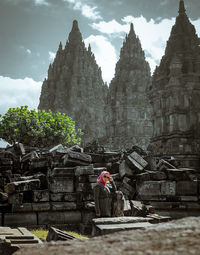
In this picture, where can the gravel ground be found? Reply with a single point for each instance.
(176, 237)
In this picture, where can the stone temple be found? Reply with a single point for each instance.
(74, 86)
(136, 108)
(118, 116)
(175, 94)
(130, 112)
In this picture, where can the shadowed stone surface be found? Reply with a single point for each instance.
(176, 237)
(74, 86)
(119, 115)
(175, 93)
(129, 121)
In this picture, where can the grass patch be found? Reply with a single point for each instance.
(79, 236)
(42, 234)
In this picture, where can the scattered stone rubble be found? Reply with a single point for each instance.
(42, 186)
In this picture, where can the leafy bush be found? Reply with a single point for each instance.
(38, 128)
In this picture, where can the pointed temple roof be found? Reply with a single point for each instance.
(181, 7)
(75, 36)
(131, 32)
(183, 42)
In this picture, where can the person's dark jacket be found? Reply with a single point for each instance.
(103, 198)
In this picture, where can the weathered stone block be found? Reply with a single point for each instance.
(62, 172)
(39, 163)
(63, 206)
(125, 170)
(134, 164)
(129, 188)
(25, 207)
(163, 165)
(59, 184)
(111, 156)
(76, 158)
(22, 186)
(180, 174)
(29, 156)
(125, 191)
(156, 189)
(1, 223)
(168, 188)
(139, 159)
(32, 207)
(41, 177)
(16, 198)
(149, 188)
(96, 158)
(67, 217)
(41, 207)
(40, 195)
(57, 147)
(188, 198)
(98, 170)
(157, 175)
(20, 219)
(143, 177)
(82, 178)
(83, 187)
(58, 197)
(187, 188)
(84, 170)
(55, 234)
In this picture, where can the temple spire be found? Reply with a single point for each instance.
(75, 25)
(181, 7)
(75, 36)
(131, 28)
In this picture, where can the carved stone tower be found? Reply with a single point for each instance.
(175, 94)
(74, 86)
(129, 120)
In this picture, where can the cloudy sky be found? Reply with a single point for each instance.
(30, 32)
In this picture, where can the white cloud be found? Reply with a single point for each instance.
(196, 23)
(52, 55)
(41, 2)
(153, 36)
(111, 27)
(18, 92)
(28, 51)
(105, 55)
(86, 10)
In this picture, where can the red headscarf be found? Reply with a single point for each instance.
(100, 178)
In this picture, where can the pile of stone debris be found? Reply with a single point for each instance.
(44, 186)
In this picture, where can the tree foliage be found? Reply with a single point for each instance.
(38, 128)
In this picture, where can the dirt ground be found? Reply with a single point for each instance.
(176, 237)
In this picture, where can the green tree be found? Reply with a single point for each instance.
(38, 128)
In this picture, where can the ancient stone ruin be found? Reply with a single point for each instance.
(130, 111)
(174, 96)
(119, 115)
(54, 186)
(74, 86)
